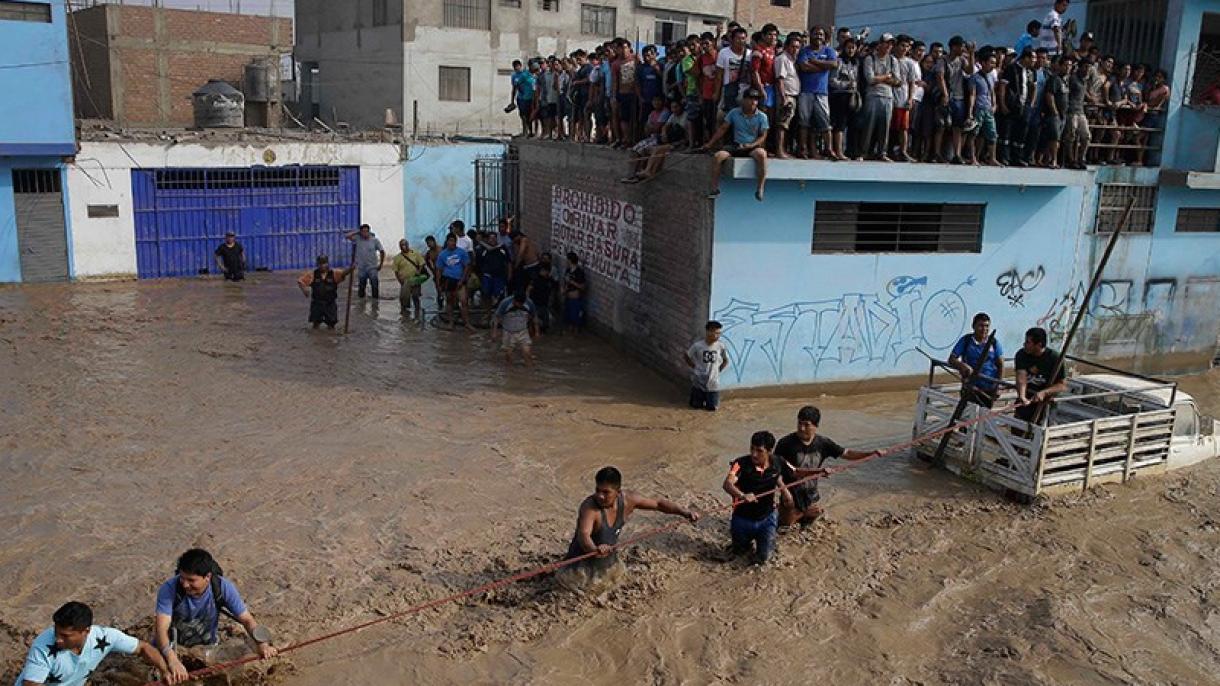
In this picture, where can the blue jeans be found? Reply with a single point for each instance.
(368, 275)
(704, 400)
(494, 289)
(755, 533)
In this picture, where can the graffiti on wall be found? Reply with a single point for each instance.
(1015, 285)
(852, 329)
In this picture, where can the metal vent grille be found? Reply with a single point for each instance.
(872, 227)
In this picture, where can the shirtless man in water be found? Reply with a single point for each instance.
(601, 518)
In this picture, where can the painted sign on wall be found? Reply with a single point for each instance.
(606, 233)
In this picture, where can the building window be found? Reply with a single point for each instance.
(669, 28)
(468, 14)
(515, 4)
(454, 84)
(102, 211)
(596, 20)
(1203, 219)
(25, 11)
(36, 181)
(1113, 200)
(1205, 64)
(1132, 29)
(548, 5)
(873, 227)
(781, 3)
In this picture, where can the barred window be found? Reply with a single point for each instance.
(25, 11)
(596, 20)
(1201, 219)
(454, 84)
(515, 4)
(1113, 201)
(875, 227)
(548, 5)
(468, 14)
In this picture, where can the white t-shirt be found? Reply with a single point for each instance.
(707, 358)
(908, 72)
(731, 63)
(1046, 38)
(786, 75)
(918, 77)
(465, 243)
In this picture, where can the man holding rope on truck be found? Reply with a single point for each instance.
(968, 356)
(1035, 364)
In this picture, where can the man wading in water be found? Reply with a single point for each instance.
(321, 286)
(600, 519)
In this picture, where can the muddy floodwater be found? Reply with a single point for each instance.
(342, 478)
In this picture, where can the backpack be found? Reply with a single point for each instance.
(217, 597)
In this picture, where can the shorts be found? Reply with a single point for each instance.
(957, 113)
(1052, 128)
(449, 285)
(574, 312)
(525, 107)
(704, 400)
(739, 150)
(841, 112)
(626, 106)
(768, 96)
(494, 287)
(1126, 117)
(814, 111)
(512, 340)
(901, 121)
(979, 396)
(805, 495)
(646, 144)
(1152, 120)
(324, 312)
(579, 103)
(548, 111)
(1077, 129)
(785, 115)
(986, 121)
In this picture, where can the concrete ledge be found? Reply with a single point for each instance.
(820, 170)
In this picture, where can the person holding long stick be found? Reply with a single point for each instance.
(1040, 375)
(977, 364)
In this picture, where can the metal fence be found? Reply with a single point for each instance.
(497, 189)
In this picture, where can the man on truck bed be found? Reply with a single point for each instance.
(1035, 364)
(967, 356)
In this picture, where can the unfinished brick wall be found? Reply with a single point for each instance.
(657, 324)
(754, 14)
(155, 58)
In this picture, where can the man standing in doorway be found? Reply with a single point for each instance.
(231, 258)
(706, 358)
(1035, 364)
(370, 256)
(410, 270)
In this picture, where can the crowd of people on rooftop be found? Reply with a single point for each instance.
(837, 95)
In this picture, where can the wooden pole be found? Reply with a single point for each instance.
(351, 277)
(1084, 305)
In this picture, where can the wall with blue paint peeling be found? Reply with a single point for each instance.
(792, 317)
(438, 182)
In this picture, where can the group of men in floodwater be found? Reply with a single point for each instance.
(773, 487)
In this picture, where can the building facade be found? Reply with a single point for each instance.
(788, 15)
(443, 66)
(138, 65)
(37, 135)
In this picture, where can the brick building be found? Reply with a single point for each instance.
(139, 65)
(788, 15)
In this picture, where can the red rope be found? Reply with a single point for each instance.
(553, 566)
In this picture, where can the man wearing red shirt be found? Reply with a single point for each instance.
(762, 66)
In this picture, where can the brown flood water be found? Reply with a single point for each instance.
(338, 478)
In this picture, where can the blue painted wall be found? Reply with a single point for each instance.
(1191, 134)
(35, 78)
(10, 259)
(986, 22)
(794, 317)
(438, 182)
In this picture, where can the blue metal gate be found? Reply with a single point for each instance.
(283, 216)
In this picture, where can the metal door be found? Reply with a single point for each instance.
(497, 190)
(42, 237)
(284, 217)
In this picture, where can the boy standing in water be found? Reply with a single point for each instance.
(706, 358)
(321, 286)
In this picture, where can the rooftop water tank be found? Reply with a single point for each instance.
(218, 106)
(262, 81)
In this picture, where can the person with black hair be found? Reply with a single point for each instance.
(801, 455)
(707, 358)
(575, 288)
(189, 606)
(601, 518)
(967, 356)
(752, 481)
(68, 652)
(1035, 363)
(321, 286)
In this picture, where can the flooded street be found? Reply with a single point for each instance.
(339, 478)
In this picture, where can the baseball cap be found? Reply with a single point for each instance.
(887, 38)
(1089, 37)
(753, 93)
(230, 233)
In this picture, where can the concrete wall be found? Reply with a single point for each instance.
(793, 317)
(156, 57)
(36, 106)
(1191, 133)
(657, 323)
(102, 176)
(438, 186)
(986, 22)
(752, 14)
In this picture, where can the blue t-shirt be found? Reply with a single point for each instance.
(46, 664)
(203, 607)
(650, 82)
(453, 263)
(524, 81)
(969, 351)
(815, 81)
(747, 129)
(982, 91)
